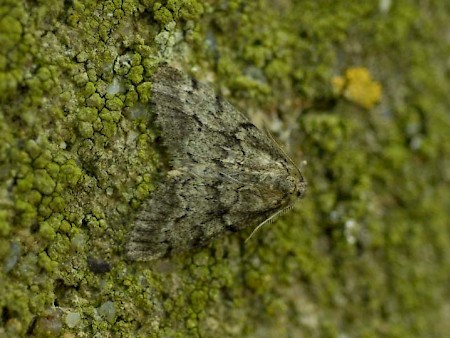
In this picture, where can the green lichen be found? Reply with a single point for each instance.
(162, 14)
(144, 90)
(70, 173)
(78, 157)
(109, 129)
(136, 74)
(87, 114)
(46, 231)
(95, 101)
(111, 115)
(5, 226)
(114, 104)
(86, 130)
(46, 263)
(43, 182)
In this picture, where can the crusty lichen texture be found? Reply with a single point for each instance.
(357, 89)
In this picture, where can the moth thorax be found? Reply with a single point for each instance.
(284, 184)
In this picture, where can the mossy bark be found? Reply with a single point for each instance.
(357, 89)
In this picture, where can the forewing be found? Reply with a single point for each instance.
(187, 211)
(199, 127)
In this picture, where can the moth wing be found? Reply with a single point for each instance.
(199, 127)
(219, 180)
(191, 208)
(181, 214)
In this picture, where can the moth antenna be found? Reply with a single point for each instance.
(283, 152)
(231, 178)
(270, 219)
(290, 206)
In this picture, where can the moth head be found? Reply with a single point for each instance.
(280, 188)
(286, 189)
(296, 186)
(296, 180)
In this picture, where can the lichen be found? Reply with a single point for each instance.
(358, 87)
(365, 253)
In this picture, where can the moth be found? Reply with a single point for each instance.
(225, 174)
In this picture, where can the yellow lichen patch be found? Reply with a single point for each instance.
(358, 87)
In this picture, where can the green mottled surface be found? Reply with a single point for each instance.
(365, 254)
